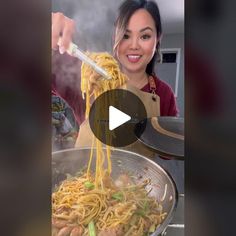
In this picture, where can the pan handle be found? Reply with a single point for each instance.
(174, 225)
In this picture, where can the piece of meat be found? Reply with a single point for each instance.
(123, 181)
(107, 182)
(76, 231)
(58, 223)
(65, 231)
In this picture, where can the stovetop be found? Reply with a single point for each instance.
(176, 227)
(176, 169)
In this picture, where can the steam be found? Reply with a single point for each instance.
(94, 28)
(94, 22)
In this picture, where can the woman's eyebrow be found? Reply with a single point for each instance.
(146, 28)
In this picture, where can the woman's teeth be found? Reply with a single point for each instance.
(133, 58)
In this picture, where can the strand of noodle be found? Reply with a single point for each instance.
(109, 166)
(91, 157)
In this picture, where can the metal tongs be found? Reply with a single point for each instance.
(74, 51)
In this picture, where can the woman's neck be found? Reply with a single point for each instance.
(138, 80)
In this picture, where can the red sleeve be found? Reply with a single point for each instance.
(168, 105)
(173, 111)
(66, 83)
(72, 96)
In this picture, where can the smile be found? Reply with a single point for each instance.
(133, 58)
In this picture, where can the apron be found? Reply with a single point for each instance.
(151, 102)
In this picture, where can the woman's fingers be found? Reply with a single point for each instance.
(63, 27)
(68, 31)
(57, 26)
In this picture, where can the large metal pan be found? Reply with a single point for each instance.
(71, 161)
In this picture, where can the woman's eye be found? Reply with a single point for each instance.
(126, 36)
(146, 36)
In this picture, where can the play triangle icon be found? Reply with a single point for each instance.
(117, 118)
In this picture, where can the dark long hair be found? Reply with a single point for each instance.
(126, 10)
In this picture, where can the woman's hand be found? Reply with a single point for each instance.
(63, 27)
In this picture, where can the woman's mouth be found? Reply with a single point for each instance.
(133, 58)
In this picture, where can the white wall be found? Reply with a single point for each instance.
(177, 41)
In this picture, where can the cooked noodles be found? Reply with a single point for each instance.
(111, 66)
(93, 201)
(127, 209)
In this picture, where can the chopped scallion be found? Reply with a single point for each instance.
(118, 196)
(89, 185)
(92, 231)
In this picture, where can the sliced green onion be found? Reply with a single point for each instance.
(118, 196)
(92, 231)
(146, 205)
(89, 185)
(140, 212)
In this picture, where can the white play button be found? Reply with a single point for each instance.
(117, 118)
(111, 114)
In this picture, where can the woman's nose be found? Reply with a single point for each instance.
(134, 44)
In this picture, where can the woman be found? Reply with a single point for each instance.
(137, 37)
(138, 32)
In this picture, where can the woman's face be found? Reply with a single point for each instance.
(138, 45)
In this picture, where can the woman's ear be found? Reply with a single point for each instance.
(158, 42)
(159, 38)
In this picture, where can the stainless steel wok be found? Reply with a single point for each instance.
(71, 161)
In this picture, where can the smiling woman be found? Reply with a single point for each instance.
(138, 31)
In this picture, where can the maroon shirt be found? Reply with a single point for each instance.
(72, 95)
(167, 99)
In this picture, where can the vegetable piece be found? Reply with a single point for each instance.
(140, 212)
(118, 196)
(91, 226)
(145, 210)
(146, 206)
(152, 228)
(89, 185)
